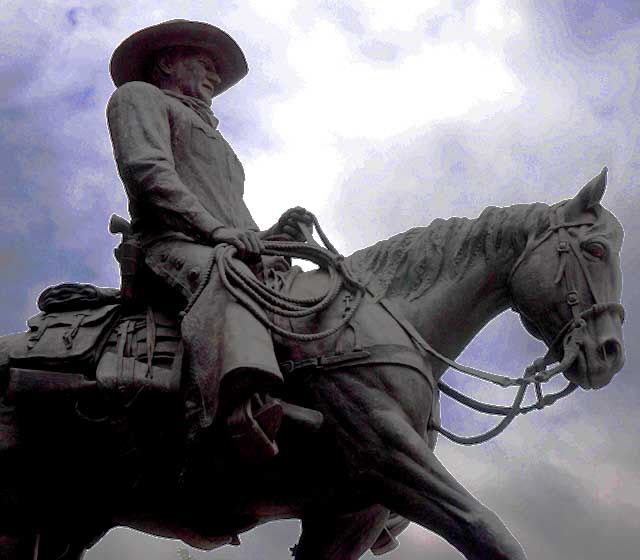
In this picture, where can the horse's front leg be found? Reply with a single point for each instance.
(417, 486)
(327, 536)
(378, 419)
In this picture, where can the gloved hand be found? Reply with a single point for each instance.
(275, 262)
(247, 242)
(287, 226)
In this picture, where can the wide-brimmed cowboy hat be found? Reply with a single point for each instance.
(132, 59)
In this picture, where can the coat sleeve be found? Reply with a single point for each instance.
(141, 136)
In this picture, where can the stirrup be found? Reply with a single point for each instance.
(386, 540)
(253, 434)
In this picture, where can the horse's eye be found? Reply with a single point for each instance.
(596, 250)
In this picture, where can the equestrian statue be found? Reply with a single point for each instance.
(221, 388)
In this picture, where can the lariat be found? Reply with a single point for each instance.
(257, 297)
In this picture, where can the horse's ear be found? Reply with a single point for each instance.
(589, 195)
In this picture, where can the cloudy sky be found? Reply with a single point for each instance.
(378, 116)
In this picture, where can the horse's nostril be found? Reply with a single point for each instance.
(610, 351)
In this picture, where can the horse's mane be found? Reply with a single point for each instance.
(410, 263)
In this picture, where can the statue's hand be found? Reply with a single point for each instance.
(275, 262)
(287, 227)
(247, 242)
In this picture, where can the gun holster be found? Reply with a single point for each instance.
(129, 256)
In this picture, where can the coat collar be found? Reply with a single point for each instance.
(200, 107)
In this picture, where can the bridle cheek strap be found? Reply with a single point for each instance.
(571, 334)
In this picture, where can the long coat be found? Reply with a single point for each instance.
(183, 181)
(180, 174)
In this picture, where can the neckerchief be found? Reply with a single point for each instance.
(200, 107)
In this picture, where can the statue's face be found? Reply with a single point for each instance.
(194, 74)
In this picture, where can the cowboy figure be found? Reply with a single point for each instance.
(185, 186)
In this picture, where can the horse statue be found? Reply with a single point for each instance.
(71, 468)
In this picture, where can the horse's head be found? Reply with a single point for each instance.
(566, 285)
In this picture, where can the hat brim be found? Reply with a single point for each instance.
(132, 58)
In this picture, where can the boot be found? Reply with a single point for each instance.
(253, 425)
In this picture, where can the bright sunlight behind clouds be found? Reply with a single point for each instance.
(340, 93)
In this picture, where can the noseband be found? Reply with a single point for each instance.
(571, 336)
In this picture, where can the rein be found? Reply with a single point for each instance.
(509, 413)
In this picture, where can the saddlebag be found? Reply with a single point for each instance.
(143, 353)
(67, 341)
(75, 352)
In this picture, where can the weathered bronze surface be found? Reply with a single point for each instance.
(191, 447)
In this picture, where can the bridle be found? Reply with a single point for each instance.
(566, 245)
(571, 335)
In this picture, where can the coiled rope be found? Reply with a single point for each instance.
(257, 297)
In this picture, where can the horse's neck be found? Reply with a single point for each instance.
(457, 305)
(451, 314)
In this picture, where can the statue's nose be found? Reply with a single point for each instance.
(611, 353)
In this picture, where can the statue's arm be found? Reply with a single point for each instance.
(140, 132)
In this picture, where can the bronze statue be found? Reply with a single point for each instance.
(99, 385)
(185, 186)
